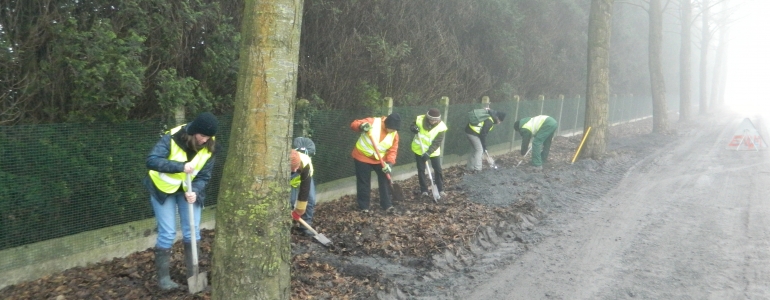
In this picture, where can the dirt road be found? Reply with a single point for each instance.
(688, 221)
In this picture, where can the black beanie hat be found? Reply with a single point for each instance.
(500, 116)
(393, 121)
(205, 124)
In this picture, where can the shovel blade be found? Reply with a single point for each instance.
(322, 239)
(197, 283)
(397, 193)
(436, 194)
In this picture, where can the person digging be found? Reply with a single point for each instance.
(429, 132)
(477, 131)
(302, 188)
(540, 130)
(366, 157)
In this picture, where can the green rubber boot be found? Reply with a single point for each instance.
(162, 259)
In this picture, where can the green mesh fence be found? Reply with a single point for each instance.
(63, 179)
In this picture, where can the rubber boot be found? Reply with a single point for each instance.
(188, 259)
(162, 260)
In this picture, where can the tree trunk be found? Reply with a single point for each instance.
(598, 89)
(252, 253)
(704, 53)
(657, 82)
(719, 75)
(685, 67)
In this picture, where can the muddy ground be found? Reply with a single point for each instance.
(422, 251)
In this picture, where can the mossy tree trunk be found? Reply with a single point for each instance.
(598, 90)
(251, 251)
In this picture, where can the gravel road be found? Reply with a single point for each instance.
(688, 220)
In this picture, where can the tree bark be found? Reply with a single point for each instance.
(598, 89)
(704, 53)
(657, 82)
(252, 251)
(685, 66)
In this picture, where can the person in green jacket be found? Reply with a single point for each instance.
(540, 130)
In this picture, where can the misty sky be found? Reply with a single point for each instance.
(748, 83)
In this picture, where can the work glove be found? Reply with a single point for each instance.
(414, 129)
(299, 209)
(386, 168)
(425, 156)
(365, 127)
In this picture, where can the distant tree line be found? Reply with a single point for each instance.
(99, 60)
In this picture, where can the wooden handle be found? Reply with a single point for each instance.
(307, 226)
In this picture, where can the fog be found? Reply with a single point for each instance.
(748, 63)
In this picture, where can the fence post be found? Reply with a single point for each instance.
(515, 118)
(614, 96)
(485, 101)
(389, 104)
(179, 117)
(444, 106)
(561, 109)
(577, 114)
(542, 103)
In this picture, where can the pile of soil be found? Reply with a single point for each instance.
(395, 255)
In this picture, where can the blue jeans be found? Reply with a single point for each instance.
(165, 215)
(310, 209)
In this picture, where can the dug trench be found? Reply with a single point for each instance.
(423, 250)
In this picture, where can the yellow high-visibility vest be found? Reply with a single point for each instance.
(426, 137)
(170, 182)
(534, 123)
(304, 161)
(365, 145)
(477, 128)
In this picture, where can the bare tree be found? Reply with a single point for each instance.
(685, 66)
(252, 252)
(704, 53)
(598, 86)
(657, 82)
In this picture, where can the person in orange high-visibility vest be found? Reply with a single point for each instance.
(384, 131)
(185, 150)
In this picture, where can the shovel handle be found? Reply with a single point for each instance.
(191, 218)
(377, 155)
(307, 226)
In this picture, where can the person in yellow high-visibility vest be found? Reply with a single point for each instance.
(184, 150)
(540, 129)
(302, 197)
(429, 132)
(477, 135)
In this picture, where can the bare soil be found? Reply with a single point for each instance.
(487, 222)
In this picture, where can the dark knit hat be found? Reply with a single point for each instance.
(205, 124)
(434, 115)
(500, 116)
(393, 121)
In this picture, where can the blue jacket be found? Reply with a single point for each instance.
(158, 160)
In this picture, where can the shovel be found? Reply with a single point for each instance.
(317, 236)
(433, 187)
(198, 281)
(524, 157)
(395, 190)
(490, 160)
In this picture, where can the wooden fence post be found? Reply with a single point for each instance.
(444, 106)
(577, 114)
(515, 118)
(389, 104)
(561, 108)
(542, 103)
